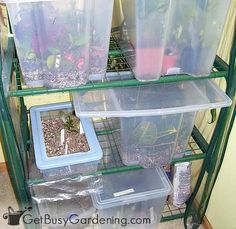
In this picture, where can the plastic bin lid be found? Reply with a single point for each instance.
(130, 187)
(148, 100)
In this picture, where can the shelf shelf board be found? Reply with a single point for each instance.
(119, 76)
(110, 84)
(107, 130)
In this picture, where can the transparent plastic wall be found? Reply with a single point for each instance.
(162, 37)
(59, 44)
(67, 198)
(194, 34)
(146, 23)
(155, 140)
(100, 37)
(52, 41)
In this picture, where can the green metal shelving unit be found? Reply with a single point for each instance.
(16, 139)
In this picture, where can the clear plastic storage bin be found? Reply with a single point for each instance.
(146, 23)
(53, 39)
(194, 34)
(134, 194)
(72, 209)
(62, 160)
(171, 37)
(156, 120)
(100, 37)
(154, 140)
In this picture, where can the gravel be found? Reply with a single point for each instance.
(75, 141)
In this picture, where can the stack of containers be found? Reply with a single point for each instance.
(59, 45)
(156, 122)
(171, 37)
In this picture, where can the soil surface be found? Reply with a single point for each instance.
(73, 141)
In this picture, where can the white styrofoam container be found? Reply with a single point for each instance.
(63, 165)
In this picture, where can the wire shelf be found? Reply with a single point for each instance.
(119, 74)
(171, 212)
(107, 130)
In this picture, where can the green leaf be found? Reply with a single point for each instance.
(145, 133)
(80, 41)
(213, 116)
(51, 61)
(54, 50)
(31, 56)
(71, 38)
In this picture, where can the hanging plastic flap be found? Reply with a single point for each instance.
(149, 100)
(68, 188)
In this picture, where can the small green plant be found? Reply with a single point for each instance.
(69, 124)
(69, 121)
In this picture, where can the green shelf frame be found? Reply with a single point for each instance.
(212, 154)
(112, 84)
(111, 162)
(126, 79)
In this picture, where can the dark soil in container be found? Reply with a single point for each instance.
(72, 142)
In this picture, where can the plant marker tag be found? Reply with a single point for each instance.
(62, 136)
(66, 149)
(58, 61)
(125, 192)
(81, 130)
(173, 71)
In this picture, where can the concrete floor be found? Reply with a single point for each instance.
(7, 199)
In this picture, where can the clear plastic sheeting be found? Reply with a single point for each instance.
(4, 45)
(66, 201)
(65, 189)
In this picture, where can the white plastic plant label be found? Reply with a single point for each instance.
(62, 136)
(173, 71)
(122, 193)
